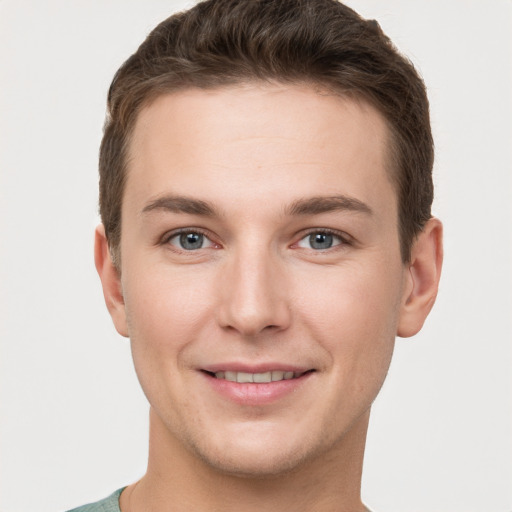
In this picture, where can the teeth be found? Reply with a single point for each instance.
(229, 376)
(277, 375)
(262, 377)
(242, 377)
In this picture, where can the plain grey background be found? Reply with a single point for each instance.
(73, 420)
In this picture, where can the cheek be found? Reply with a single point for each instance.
(165, 311)
(354, 316)
(165, 315)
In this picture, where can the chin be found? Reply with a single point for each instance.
(255, 455)
(250, 465)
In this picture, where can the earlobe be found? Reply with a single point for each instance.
(110, 281)
(422, 279)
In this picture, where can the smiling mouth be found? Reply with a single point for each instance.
(257, 378)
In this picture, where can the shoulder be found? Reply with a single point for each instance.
(110, 504)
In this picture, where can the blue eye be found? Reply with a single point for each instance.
(190, 241)
(320, 240)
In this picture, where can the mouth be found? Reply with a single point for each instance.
(264, 385)
(257, 378)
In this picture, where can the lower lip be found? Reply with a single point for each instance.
(256, 394)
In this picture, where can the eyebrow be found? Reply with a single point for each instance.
(326, 204)
(181, 204)
(306, 206)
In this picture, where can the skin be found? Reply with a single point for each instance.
(268, 161)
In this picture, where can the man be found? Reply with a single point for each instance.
(265, 192)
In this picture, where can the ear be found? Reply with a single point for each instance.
(421, 279)
(110, 281)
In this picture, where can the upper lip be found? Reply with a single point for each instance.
(254, 368)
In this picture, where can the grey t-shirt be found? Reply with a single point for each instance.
(110, 504)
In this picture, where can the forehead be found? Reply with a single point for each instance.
(258, 139)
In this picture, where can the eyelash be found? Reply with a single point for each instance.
(185, 231)
(344, 239)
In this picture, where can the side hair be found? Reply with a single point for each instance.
(319, 42)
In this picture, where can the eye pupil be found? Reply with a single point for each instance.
(321, 240)
(191, 241)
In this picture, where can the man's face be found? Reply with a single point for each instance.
(260, 242)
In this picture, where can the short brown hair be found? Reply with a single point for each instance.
(321, 42)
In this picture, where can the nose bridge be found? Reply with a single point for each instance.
(253, 292)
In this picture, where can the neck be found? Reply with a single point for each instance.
(177, 480)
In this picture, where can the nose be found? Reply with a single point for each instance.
(253, 295)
